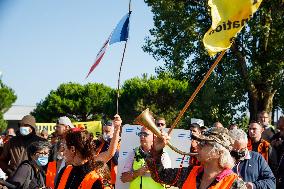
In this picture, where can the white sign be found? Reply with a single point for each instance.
(129, 140)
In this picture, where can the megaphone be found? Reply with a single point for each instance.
(145, 119)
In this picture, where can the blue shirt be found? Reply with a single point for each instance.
(253, 168)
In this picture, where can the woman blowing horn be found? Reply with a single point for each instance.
(85, 169)
(216, 163)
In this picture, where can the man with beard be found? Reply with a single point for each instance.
(15, 151)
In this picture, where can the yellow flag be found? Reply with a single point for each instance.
(228, 18)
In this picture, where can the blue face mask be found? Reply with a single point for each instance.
(24, 131)
(42, 161)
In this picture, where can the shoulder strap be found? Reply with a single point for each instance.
(89, 180)
(65, 177)
(50, 174)
(190, 182)
(30, 176)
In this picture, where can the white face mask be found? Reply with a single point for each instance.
(106, 137)
(24, 131)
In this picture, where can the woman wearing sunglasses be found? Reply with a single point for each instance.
(85, 169)
(30, 174)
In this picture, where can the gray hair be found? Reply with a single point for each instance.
(226, 161)
(238, 135)
(37, 146)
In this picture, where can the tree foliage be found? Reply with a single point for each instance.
(79, 102)
(249, 75)
(163, 96)
(7, 98)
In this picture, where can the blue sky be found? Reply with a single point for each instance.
(44, 43)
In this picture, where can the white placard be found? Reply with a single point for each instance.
(180, 138)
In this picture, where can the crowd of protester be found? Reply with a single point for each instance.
(71, 157)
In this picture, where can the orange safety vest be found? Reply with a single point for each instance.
(50, 174)
(87, 182)
(225, 183)
(113, 168)
(263, 148)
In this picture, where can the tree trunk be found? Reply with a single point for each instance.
(259, 99)
(262, 102)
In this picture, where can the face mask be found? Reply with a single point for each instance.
(106, 137)
(238, 155)
(24, 131)
(42, 161)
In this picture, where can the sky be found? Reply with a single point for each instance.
(44, 43)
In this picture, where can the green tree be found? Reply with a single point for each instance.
(79, 102)
(7, 98)
(249, 74)
(163, 96)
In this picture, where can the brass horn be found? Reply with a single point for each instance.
(145, 119)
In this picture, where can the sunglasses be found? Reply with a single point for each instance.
(144, 134)
(160, 124)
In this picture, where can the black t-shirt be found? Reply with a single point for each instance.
(76, 176)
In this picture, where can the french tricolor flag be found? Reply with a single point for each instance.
(120, 33)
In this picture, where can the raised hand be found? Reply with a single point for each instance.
(117, 122)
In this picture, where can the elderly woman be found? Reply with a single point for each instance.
(30, 174)
(216, 163)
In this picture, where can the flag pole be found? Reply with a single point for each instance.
(197, 90)
(120, 67)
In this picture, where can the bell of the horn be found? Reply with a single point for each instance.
(146, 119)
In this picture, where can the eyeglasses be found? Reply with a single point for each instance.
(144, 134)
(42, 154)
(160, 124)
